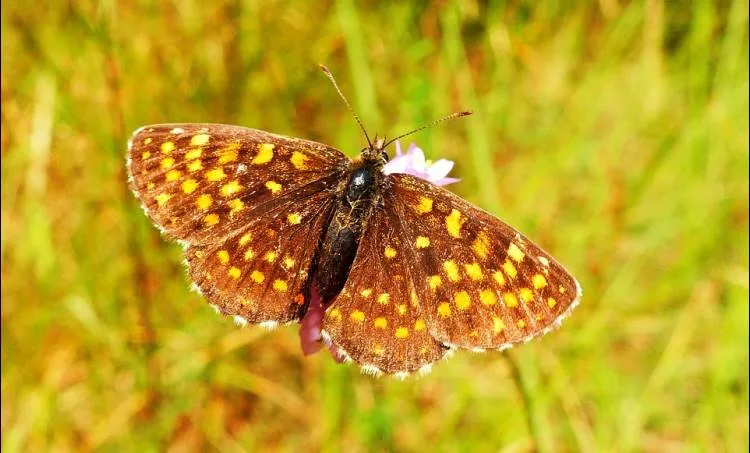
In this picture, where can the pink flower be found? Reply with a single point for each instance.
(310, 337)
(414, 163)
(411, 163)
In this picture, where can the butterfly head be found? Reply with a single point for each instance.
(375, 151)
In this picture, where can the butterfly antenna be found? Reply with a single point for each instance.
(328, 74)
(438, 121)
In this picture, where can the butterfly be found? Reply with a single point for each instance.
(406, 271)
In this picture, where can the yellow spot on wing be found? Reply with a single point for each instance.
(270, 256)
(474, 271)
(419, 325)
(236, 205)
(451, 270)
(145, 155)
(204, 201)
(551, 302)
(167, 162)
(526, 294)
(265, 154)
(215, 174)
(257, 276)
(234, 272)
(167, 147)
(481, 245)
(515, 252)
(380, 322)
(389, 252)
(462, 300)
(193, 154)
(433, 281)
(162, 198)
(294, 218)
(280, 285)
(211, 219)
(367, 292)
(249, 254)
(383, 298)
(173, 175)
(499, 278)
(230, 188)
(422, 242)
(453, 223)
(510, 300)
(245, 238)
(357, 316)
(510, 269)
(273, 186)
(229, 153)
(487, 297)
(195, 166)
(147, 141)
(189, 186)
(424, 206)
(521, 323)
(497, 324)
(200, 139)
(401, 309)
(334, 314)
(299, 160)
(444, 310)
(223, 256)
(402, 332)
(288, 262)
(538, 281)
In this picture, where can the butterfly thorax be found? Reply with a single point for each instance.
(357, 197)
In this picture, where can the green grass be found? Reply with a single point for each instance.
(615, 134)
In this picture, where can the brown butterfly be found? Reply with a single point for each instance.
(406, 271)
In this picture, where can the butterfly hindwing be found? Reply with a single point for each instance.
(200, 182)
(480, 283)
(376, 319)
(261, 273)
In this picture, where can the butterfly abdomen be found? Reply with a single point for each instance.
(354, 205)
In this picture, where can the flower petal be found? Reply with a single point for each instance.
(398, 149)
(309, 333)
(440, 169)
(417, 161)
(398, 164)
(413, 163)
(444, 181)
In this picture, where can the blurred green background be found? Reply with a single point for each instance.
(613, 133)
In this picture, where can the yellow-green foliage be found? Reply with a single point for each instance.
(613, 133)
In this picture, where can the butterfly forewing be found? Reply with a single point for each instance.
(249, 206)
(480, 283)
(377, 319)
(201, 182)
